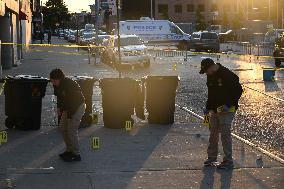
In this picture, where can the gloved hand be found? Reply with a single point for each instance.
(224, 108)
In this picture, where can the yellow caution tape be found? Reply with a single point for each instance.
(58, 45)
(128, 125)
(96, 143)
(3, 137)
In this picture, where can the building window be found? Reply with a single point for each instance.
(190, 8)
(178, 9)
(163, 8)
(201, 7)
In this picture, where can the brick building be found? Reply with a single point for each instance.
(15, 24)
(185, 10)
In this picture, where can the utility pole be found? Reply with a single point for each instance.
(152, 15)
(277, 18)
(282, 18)
(97, 7)
(269, 9)
(118, 35)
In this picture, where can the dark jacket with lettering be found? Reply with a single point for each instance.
(224, 88)
(69, 96)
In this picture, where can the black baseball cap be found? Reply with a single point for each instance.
(205, 64)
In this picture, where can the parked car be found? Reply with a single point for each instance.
(162, 32)
(66, 33)
(86, 38)
(229, 35)
(133, 52)
(279, 51)
(72, 36)
(204, 40)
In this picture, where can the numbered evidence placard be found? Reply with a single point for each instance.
(96, 143)
(206, 121)
(3, 137)
(128, 125)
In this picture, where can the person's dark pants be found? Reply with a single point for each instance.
(220, 122)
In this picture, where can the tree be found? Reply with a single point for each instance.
(200, 20)
(55, 11)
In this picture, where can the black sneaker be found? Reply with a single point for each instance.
(211, 162)
(72, 157)
(62, 155)
(226, 165)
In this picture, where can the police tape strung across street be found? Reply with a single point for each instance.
(158, 51)
(57, 45)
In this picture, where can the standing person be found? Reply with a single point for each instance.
(224, 92)
(49, 37)
(71, 102)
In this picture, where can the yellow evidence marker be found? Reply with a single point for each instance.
(175, 67)
(231, 109)
(96, 143)
(3, 137)
(128, 125)
(206, 121)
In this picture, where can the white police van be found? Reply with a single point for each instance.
(156, 31)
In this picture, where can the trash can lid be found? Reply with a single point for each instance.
(26, 78)
(76, 78)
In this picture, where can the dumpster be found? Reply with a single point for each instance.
(87, 84)
(160, 98)
(118, 101)
(23, 101)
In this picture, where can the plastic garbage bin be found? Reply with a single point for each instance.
(118, 100)
(160, 98)
(87, 84)
(23, 101)
(268, 74)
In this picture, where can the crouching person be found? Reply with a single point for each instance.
(71, 102)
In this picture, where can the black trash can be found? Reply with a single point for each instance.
(23, 101)
(118, 100)
(87, 84)
(160, 98)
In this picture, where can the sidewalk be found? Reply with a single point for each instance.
(150, 156)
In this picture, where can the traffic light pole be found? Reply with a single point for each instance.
(118, 36)
(96, 27)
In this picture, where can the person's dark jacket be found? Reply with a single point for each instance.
(69, 96)
(224, 88)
